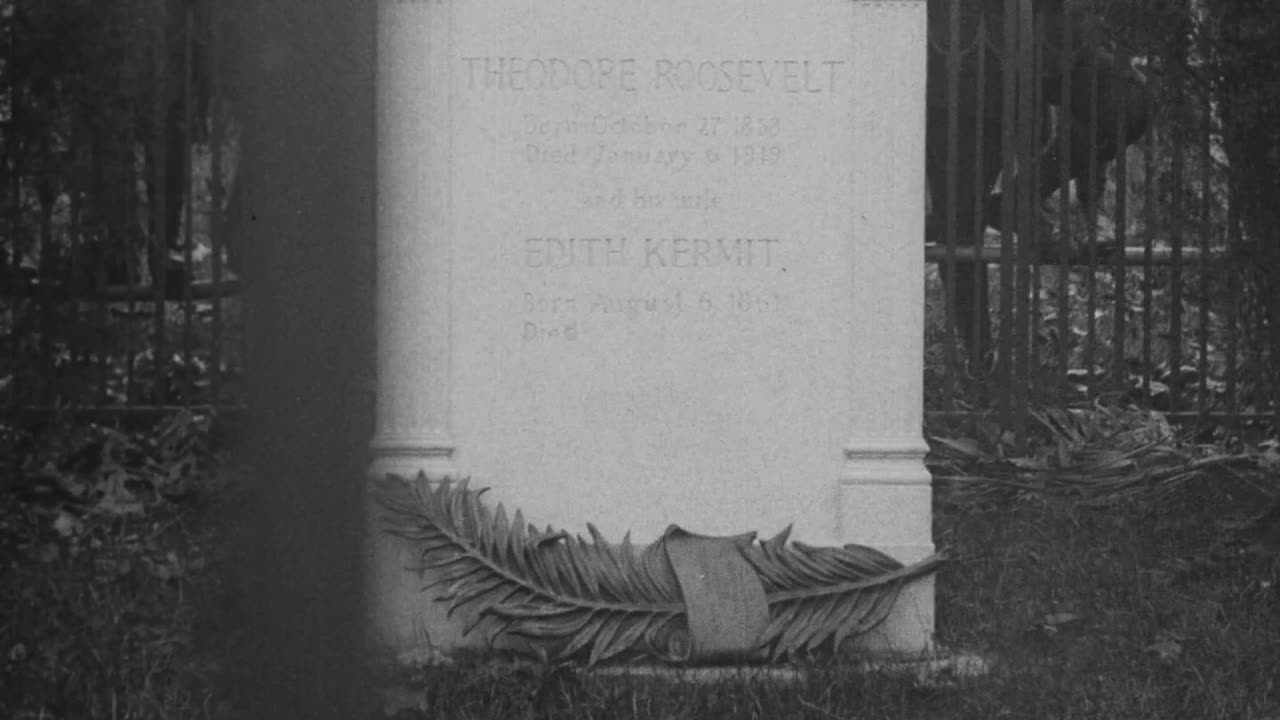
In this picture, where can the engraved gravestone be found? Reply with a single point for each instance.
(655, 263)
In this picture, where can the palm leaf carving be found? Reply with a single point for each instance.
(577, 598)
(821, 594)
(561, 592)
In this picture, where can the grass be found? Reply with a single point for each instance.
(101, 621)
(1155, 603)
(1162, 619)
(108, 558)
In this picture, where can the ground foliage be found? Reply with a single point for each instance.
(1121, 569)
(1095, 456)
(107, 562)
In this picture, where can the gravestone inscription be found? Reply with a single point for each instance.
(655, 263)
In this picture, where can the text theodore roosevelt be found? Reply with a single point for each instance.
(744, 75)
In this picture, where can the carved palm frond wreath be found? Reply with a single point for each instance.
(684, 598)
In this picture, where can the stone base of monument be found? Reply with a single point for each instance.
(931, 670)
(935, 667)
(939, 668)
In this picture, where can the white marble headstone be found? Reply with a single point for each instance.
(654, 263)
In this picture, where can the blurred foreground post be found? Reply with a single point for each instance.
(307, 156)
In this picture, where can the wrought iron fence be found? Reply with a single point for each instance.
(120, 151)
(121, 176)
(1084, 164)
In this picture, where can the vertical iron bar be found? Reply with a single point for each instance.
(44, 292)
(73, 275)
(1090, 205)
(950, 203)
(1233, 272)
(215, 215)
(1119, 336)
(246, 316)
(101, 157)
(189, 274)
(13, 170)
(1260, 331)
(131, 274)
(980, 312)
(1175, 268)
(1025, 179)
(1067, 237)
(1009, 150)
(1206, 199)
(1148, 261)
(130, 230)
(159, 256)
(1037, 243)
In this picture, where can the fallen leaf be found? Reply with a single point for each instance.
(168, 569)
(1064, 618)
(113, 567)
(1008, 439)
(1167, 647)
(117, 499)
(1029, 463)
(48, 553)
(111, 506)
(1269, 459)
(67, 524)
(1064, 453)
(965, 446)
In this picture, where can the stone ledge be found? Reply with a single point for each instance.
(940, 668)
